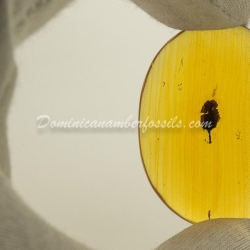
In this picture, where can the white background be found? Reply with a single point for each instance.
(89, 62)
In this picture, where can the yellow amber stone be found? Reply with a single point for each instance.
(195, 143)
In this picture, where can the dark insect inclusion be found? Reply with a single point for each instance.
(210, 116)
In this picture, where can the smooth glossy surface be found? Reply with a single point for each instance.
(197, 176)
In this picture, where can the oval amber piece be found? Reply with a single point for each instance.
(200, 170)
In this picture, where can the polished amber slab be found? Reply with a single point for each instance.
(200, 172)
